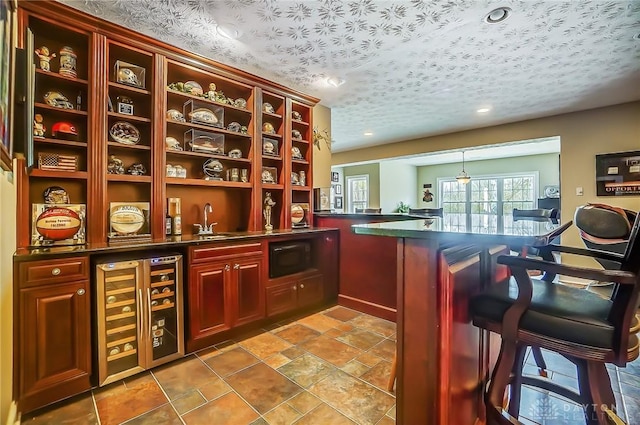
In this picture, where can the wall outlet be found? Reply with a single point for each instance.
(579, 191)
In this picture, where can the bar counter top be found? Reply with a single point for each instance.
(149, 244)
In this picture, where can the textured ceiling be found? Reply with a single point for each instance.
(416, 67)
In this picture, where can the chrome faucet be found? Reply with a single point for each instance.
(206, 229)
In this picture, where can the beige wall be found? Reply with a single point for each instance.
(373, 171)
(7, 248)
(547, 167)
(322, 156)
(583, 135)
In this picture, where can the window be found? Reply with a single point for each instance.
(486, 203)
(357, 193)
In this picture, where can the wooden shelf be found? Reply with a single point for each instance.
(162, 307)
(269, 114)
(206, 155)
(162, 295)
(272, 186)
(212, 183)
(300, 161)
(61, 110)
(120, 290)
(162, 283)
(300, 188)
(271, 158)
(128, 117)
(60, 142)
(122, 146)
(120, 303)
(120, 316)
(79, 175)
(300, 122)
(302, 141)
(192, 125)
(120, 329)
(121, 341)
(52, 74)
(128, 88)
(276, 135)
(128, 178)
(211, 102)
(121, 355)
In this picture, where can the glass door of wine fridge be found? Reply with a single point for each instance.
(139, 315)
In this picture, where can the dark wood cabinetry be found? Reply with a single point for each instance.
(53, 352)
(292, 292)
(225, 290)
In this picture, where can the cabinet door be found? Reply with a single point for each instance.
(282, 298)
(310, 290)
(55, 343)
(249, 292)
(209, 299)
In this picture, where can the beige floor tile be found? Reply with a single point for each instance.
(282, 415)
(342, 313)
(305, 370)
(320, 322)
(325, 415)
(335, 352)
(163, 415)
(369, 359)
(304, 402)
(277, 360)
(357, 400)
(297, 333)
(215, 389)
(231, 361)
(374, 324)
(378, 375)
(355, 368)
(360, 338)
(128, 404)
(385, 349)
(265, 345)
(182, 377)
(226, 410)
(262, 387)
(188, 401)
(75, 411)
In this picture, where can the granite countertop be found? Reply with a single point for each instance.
(165, 243)
(521, 232)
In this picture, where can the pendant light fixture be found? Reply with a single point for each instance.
(463, 177)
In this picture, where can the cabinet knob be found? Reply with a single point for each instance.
(302, 286)
(55, 271)
(80, 291)
(226, 268)
(236, 266)
(294, 287)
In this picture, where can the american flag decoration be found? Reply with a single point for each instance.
(57, 162)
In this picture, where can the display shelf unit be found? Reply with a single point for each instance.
(300, 194)
(238, 102)
(231, 193)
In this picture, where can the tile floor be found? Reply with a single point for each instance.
(328, 368)
(331, 367)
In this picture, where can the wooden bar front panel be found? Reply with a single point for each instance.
(367, 267)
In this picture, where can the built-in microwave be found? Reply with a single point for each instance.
(289, 257)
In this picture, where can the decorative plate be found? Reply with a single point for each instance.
(125, 133)
(193, 88)
(204, 116)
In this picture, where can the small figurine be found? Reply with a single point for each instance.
(137, 169)
(115, 165)
(268, 205)
(38, 126)
(211, 94)
(45, 57)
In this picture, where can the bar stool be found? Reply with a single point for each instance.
(585, 328)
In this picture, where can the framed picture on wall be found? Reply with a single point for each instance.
(618, 174)
(335, 176)
(338, 202)
(338, 189)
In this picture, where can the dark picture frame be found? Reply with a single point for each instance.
(338, 189)
(335, 177)
(338, 202)
(7, 63)
(618, 174)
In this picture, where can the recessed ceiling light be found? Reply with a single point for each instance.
(483, 110)
(227, 31)
(368, 133)
(497, 15)
(335, 81)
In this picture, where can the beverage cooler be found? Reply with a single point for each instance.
(139, 313)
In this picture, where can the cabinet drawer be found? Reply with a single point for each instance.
(217, 252)
(52, 271)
